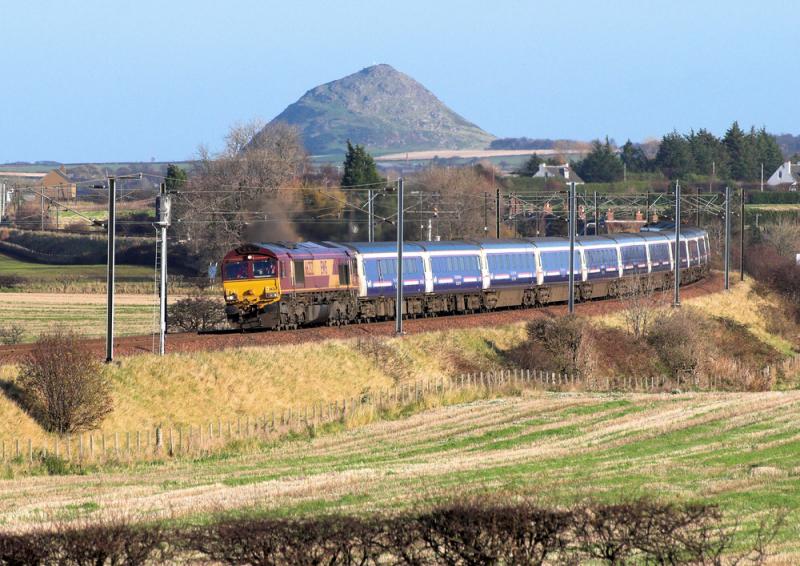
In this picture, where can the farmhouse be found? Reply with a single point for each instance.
(786, 174)
(57, 185)
(558, 171)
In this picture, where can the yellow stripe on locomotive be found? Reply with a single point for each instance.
(251, 282)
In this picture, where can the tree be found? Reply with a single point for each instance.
(531, 166)
(634, 158)
(674, 157)
(741, 150)
(601, 165)
(359, 167)
(234, 196)
(768, 152)
(63, 385)
(460, 193)
(708, 153)
(176, 178)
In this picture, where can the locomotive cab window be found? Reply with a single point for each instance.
(235, 270)
(264, 268)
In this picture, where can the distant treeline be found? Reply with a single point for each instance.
(789, 144)
(737, 156)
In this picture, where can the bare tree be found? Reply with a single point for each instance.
(458, 195)
(785, 236)
(63, 385)
(235, 196)
(642, 302)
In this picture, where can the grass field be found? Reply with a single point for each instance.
(48, 273)
(736, 450)
(83, 313)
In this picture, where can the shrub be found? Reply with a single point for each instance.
(562, 344)
(63, 386)
(676, 339)
(109, 543)
(11, 281)
(11, 334)
(195, 313)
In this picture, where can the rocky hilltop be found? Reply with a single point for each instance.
(383, 109)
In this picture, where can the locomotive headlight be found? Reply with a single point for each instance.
(231, 296)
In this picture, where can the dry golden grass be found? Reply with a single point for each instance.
(741, 304)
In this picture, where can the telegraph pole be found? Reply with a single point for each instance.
(163, 205)
(727, 237)
(371, 215)
(497, 214)
(398, 317)
(596, 216)
(572, 227)
(676, 301)
(485, 214)
(111, 226)
(741, 237)
(2, 201)
(697, 216)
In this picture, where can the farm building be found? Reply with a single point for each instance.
(786, 174)
(564, 172)
(57, 185)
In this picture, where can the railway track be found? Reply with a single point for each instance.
(191, 342)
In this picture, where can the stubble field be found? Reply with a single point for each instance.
(740, 451)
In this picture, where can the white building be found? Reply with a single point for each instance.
(786, 174)
(563, 172)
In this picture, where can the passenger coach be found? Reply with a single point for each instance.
(286, 285)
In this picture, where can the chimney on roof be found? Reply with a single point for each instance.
(62, 168)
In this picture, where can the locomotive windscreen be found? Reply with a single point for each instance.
(234, 270)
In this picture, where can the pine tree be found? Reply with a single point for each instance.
(359, 167)
(768, 152)
(634, 158)
(601, 165)
(531, 166)
(741, 150)
(708, 153)
(674, 157)
(176, 178)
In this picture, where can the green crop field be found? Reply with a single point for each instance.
(43, 272)
(740, 451)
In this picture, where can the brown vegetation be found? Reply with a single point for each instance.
(472, 532)
(680, 345)
(197, 313)
(234, 197)
(62, 385)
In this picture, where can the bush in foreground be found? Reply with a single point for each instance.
(195, 313)
(63, 386)
(468, 532)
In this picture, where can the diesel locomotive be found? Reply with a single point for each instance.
(285, 285)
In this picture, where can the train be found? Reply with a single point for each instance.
(286, 285)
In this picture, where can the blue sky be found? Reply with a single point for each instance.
(118, 80)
